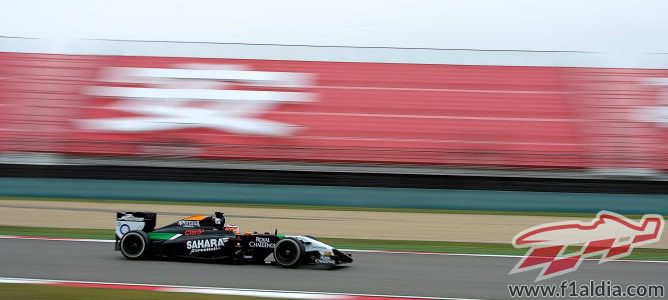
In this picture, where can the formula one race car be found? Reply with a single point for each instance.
(208, 237)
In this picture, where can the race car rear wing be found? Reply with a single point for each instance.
(127, 221)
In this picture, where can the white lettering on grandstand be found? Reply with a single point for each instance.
(198, 96)
(656, 114)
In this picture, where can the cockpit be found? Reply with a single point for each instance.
(214, 222)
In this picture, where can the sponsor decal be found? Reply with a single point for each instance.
(186, 223)
(609, 235)
(262, 242)
(324, 260)
(194, 231)
(124, 228)
(206, 245)
(132, 218)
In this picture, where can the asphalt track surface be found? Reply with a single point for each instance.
(372, 273)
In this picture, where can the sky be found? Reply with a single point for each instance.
(591, 25)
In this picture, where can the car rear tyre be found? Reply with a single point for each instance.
(288, 253)
(135, 245)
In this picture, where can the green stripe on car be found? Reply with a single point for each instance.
(161, 235)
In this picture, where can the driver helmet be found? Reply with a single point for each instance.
(218, 220)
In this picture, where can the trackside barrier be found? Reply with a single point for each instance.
(102, 190)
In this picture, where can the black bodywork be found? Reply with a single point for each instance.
(203, 237)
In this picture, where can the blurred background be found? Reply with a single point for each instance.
(403, 91)
(394, 109)
(490, 116)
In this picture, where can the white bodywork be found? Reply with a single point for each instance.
(310, 245)
(326, 251)
(128, 223)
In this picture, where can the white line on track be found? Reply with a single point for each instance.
(215, 290)
(488, 255)
(44, 238)
(347, 250)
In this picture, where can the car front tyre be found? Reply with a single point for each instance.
(288, 253)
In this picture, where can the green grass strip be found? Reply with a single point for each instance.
(361, 244)
(45, 292)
